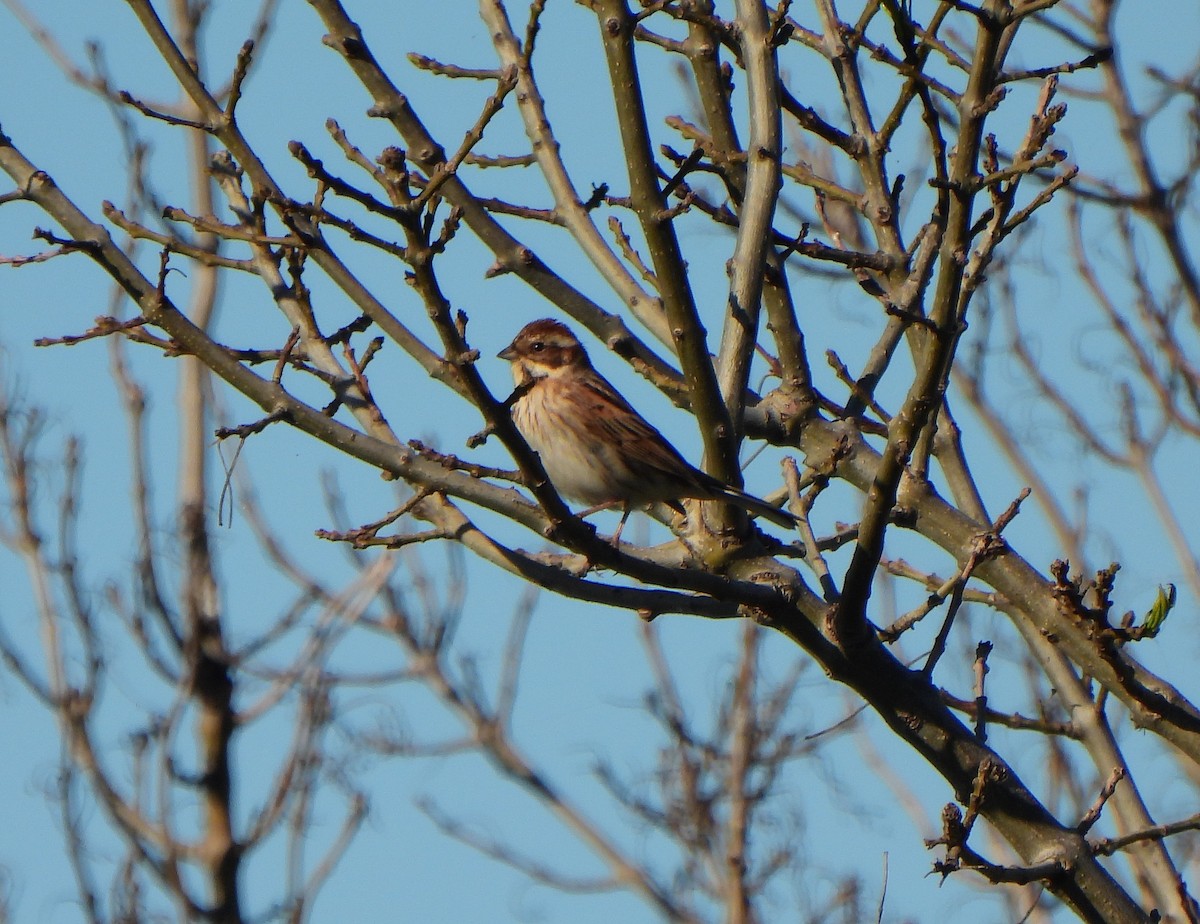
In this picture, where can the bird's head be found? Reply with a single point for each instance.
(544, 349)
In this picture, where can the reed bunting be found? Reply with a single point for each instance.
(594, 446)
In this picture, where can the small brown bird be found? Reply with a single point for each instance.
(594, 446)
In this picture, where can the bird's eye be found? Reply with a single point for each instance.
(537, 346)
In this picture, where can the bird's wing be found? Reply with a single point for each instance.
(629, 429)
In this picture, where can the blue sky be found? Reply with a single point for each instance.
(585, 674)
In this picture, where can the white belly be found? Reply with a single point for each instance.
(581, 466)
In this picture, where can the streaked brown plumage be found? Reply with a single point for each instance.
(594, 446)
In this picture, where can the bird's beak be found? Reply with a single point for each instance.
(509, 352)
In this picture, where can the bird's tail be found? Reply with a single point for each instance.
(760, 507)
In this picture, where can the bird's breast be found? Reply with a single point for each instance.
(560, 428)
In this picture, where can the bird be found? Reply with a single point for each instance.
(593, 445)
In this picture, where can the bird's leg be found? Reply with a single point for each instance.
(616, 536)
(607, 505)
(596, 508)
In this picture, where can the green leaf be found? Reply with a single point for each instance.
(1158, 612)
